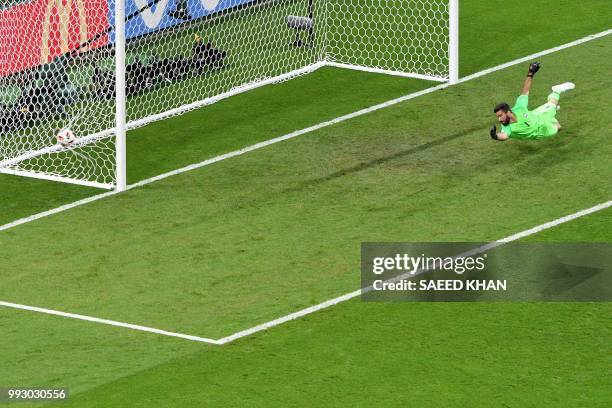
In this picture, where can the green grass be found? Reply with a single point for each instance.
(356, 353)
(289, 213)
(421, 354)
(270, 234)
(250, 239)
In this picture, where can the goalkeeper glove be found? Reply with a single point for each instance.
(493, 132)
(533, 68)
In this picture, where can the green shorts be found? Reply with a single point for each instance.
(549, 129)
(547, 113)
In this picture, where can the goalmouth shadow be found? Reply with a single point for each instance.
(385, 159)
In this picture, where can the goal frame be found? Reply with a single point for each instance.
(121, 126)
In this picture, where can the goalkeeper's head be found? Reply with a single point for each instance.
(503, 113)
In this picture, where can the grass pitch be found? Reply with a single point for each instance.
(253, 238)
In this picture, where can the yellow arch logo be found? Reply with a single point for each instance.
(64, 11)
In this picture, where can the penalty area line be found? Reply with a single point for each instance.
(356, 293)
(308, 310)
(108, 322)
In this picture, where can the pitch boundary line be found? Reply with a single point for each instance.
(300, 132)
(300, 313)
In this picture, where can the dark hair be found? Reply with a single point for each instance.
(501, 107)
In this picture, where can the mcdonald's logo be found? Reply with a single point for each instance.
(64, 11)
(35, 31)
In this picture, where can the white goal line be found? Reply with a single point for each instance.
(330, 302)
(5, 165)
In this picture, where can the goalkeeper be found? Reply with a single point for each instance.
(520, 123)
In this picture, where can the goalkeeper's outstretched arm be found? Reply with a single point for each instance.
(533, 68)
(527, 85)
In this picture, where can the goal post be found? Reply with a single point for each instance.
(101, 67)
(453, 41)
(120, 103)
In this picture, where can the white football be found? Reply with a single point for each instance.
(65, 137)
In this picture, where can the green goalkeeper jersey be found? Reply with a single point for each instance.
(529, 124)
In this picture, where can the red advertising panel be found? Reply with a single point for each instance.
(34, 32)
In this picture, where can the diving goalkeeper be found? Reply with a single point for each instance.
(519, 122)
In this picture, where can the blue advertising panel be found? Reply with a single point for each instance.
(167, 13)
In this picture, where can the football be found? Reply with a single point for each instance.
(65, 137)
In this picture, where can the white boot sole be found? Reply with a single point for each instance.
(568, 86)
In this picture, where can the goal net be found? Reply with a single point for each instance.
(58, 66)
